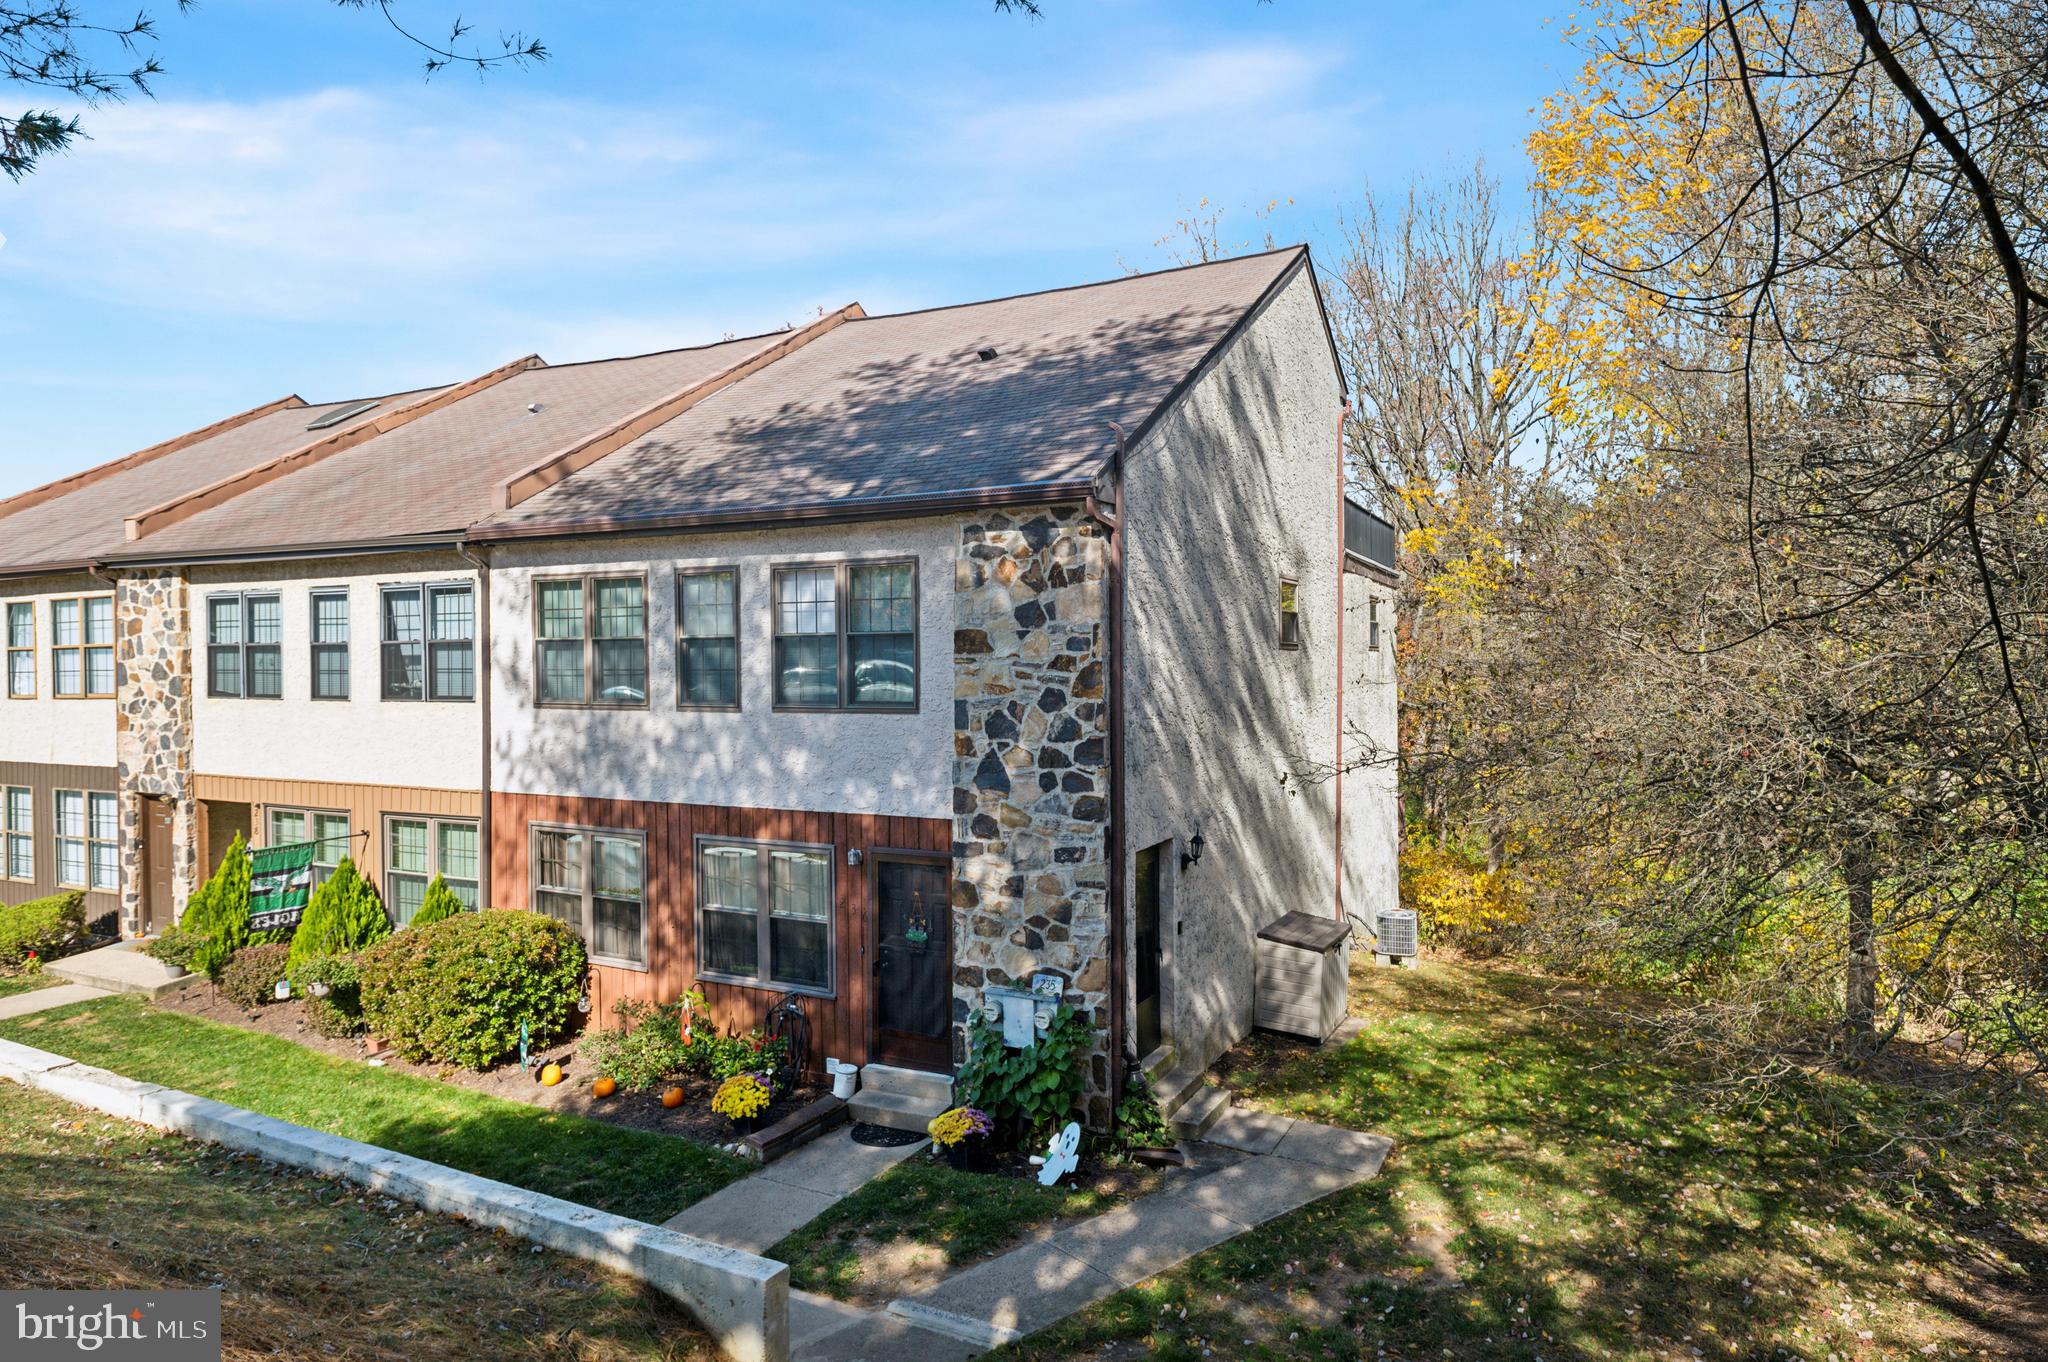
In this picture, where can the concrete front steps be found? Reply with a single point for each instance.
(120, 968)
(902, 1099)
(1187, 1101)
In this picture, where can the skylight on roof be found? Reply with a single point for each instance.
(339, 414)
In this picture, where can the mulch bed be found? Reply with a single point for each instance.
(693, 1120)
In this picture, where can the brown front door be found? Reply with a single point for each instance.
(913, 963)
(157, 909)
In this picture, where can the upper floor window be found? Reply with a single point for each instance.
(1290, 613)
(82, 647)
(245, 645)
(846, 636)
(18, 826)
(21, 650)
(1372, 624)
(708, 638)
(416, 850)
(330, 645)
(764, 914)
(429, 641)
(590, 641)
(327, 831)
(88, 832)
(596, 882)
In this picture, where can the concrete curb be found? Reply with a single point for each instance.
(741, 1298)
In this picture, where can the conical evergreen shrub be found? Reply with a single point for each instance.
(219, 912)
(344, 915)
(440, 902)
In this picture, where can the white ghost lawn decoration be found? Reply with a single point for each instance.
(1062, 1156)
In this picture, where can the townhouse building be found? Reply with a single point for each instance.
(879, 662)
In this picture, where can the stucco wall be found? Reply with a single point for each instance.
(1372, 843)
(897, 764)
(362, 739)
(45, 729)
(1227, 732)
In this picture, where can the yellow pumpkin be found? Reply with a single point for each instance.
(672, 1099)
(550, 1075)
(604, 1087)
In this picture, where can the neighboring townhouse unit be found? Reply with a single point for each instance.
(878, 662)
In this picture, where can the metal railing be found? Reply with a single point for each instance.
(1367, 536)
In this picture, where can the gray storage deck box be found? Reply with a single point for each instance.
(1302, 985)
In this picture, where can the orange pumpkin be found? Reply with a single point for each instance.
(550, 1075)
(672, 1099)
(604, 1087)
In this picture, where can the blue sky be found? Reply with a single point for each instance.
(298, 211)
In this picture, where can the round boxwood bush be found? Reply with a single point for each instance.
(455, 991)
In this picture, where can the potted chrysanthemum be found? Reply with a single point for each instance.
(962, 1137)
(741, 1099)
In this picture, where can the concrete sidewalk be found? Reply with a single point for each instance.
(43, 999)
(761, 1209)
(1044, 1281)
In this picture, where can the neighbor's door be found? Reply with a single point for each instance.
(913, 983)
(157, 909)
(1147, 945)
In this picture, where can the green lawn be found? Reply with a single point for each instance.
(11, 984)
(633, 1173)
(1556, 1191)
(306, 1267)
(922, 1218)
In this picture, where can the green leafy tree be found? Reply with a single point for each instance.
(440, 902)
(219, 912)
(344, 915)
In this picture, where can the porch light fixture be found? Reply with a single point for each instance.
(1193, 855)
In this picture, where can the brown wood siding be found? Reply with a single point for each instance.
(839, 1024)
(365, 806)
(101, 909)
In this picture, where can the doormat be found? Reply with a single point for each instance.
(884, 1137)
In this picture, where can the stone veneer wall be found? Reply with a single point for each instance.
(153, 727)
(1030, 766)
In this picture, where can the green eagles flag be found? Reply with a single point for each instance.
(280, 880)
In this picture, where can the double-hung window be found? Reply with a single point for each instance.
(21, 650)
(18, 827)
(418, 848)
(708, 638)
(245, 645)
(327, 831)
(429, 641)
(764, 914)
(330, 644)
(88, 832)
(846, 636)
(590, 641)
(1372, 624)
(595, 881)
(82, 647)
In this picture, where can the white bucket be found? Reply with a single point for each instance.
(845, 1078)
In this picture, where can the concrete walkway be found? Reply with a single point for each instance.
(120, 968)
(43, 999)
(1044, 1281)
(760, 1209)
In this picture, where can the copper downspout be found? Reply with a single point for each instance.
(1342, 417)
(1114, 622)
(482, 563)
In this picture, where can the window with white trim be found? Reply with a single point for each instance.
(18, 828)
(764, 914)
(429, 641)
(595, 881)
(245, 645)
(88, 835)
(21, 650)
(417, 848)
(846, 636)
(328, 832)
(82, 647)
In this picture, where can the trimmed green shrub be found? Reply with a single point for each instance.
(439, 904)
(175, 946)
(219, 913)
(331, 988)
(1030, 1091)
(249, 978)
(455, 991)
(343, 916)
(651, 1041)
(49, 927)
